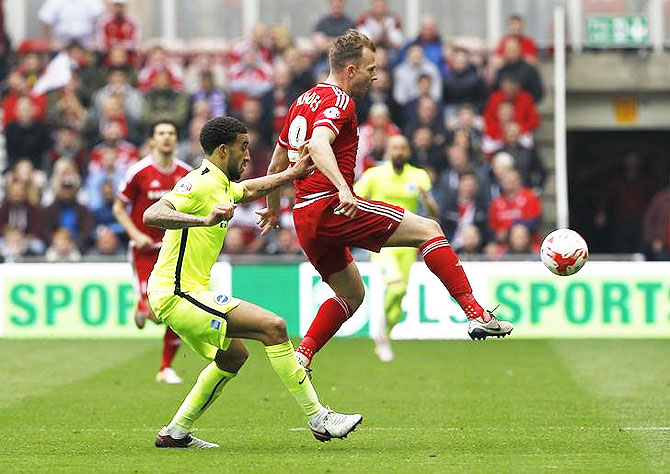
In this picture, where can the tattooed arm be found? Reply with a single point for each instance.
(162, 214)
(259, 187)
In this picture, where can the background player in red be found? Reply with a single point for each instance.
(329, 218)
(144, 184)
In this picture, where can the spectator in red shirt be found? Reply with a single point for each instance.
(126, 152)
(523, 111)
(250, 77)
(515, 205)
(158, 62)
(381, 25)
(515, 31)
(118, 29)
(18, 87)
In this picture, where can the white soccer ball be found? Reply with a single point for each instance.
(564, 252)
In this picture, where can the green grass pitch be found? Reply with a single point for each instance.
(442, 406)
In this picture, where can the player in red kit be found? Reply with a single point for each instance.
(329, 218)
(145, 183)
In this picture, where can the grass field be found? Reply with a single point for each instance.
(504, 405)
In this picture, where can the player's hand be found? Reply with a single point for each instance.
(304, 165)
(142, 241)
(267, 220)
(347, 206)
(223, 211)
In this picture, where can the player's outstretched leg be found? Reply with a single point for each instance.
(171, 343)
(427, 235)
(253, 322)
(349, 293)
(393, 296)
(395, 264)
(206, 390)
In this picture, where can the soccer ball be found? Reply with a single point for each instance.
(564, 252)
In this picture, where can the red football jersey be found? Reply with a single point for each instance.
(118, 31)
(126, 155)
(328, 106)
(505, 211)
(144, 184)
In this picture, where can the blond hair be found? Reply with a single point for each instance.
(348, 49)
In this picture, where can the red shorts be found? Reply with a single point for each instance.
(326, 237)
(143, 262)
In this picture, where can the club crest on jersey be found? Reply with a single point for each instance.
(183, 187)
(332, 113)
(221, 299)
(215, 324)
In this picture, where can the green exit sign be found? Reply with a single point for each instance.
(617, 31)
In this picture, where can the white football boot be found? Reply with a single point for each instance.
(383, 349)
(165, 440)
(328, 425)
(478, 329)
(168, 375)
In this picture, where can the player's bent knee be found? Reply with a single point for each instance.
(276, 331)
(432, 228)
(232, 359)
(355, 299)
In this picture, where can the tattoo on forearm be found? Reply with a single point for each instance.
(167, 218)
(263, 186)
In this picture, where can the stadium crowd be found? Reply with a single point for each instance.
(77, 105)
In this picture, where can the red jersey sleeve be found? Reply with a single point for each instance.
(128, 188)
(334, 112)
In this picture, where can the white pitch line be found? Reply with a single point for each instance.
(646, 428)
(504, 428)
(390, 428)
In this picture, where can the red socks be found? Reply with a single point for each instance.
(171, 343)
(444, 263)
(331, 315)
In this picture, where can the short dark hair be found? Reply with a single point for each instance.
(468, 173)
(510, 77)
(152, 128)
(424, 76)
(348, 48)
(515, 17)
(120, 69)
(220, 131)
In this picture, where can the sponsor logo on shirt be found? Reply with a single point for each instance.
(215, 324)
(183, 187)
(221, 299)
(332, 113)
